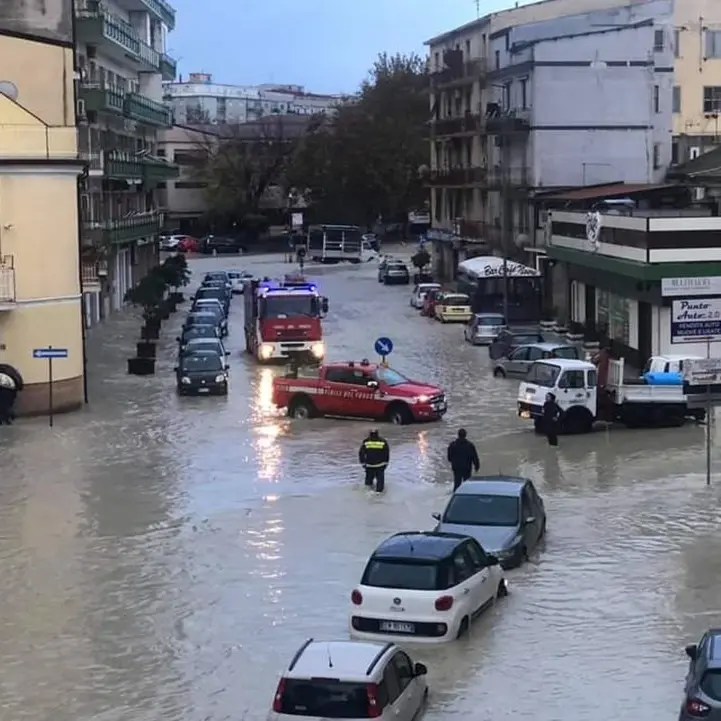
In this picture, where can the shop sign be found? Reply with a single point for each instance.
(694, 320)
(709, 285)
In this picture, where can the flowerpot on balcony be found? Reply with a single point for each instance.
(145, 349)
(150, 331)
(141, 366)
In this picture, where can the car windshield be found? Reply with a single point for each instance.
(390, 377)
(324, 698)
(456, 300)
(711, 684)
(468, 509)
(218, 277)
(200, 331)
(204, 344)
(396, 266)
(526, 339)
(201, 362)
(200, 318)
(213, 308)
(491, 320)
(285, 306)
(569, 352)
(391, 573)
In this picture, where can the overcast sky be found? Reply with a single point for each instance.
(326, 45)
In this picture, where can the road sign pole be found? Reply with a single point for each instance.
(50, 389)
(709, 410)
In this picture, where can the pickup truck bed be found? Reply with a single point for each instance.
(637, 391)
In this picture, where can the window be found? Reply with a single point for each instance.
(524, 93)
(391, 682)
(188, 185)
(569, 352)
(161, 186)
(658, 41)
(346, 375)
(713, 43)
(711, 684)
(677, 43)
(282, 306)
(521, 354)
(712, 99)
(676, 99)
(462, 566)
(478, 558)
(468, 49)
(656, 156)
(390, 377)
(572, 379)
(497, 57)
(535, 353)
(323, 697)
(391, 573)
(160, 152)
(437, 61)
(592, 379)
(543, 375)
(674, 153)
(482, 510)
(189, 158)
(656, 99)
(404, 668)
(507, 96)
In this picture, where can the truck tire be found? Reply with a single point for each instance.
(577, 421)
(301, 408)
(399, 414)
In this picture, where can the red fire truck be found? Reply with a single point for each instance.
(283, 320)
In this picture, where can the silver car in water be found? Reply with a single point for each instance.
(520, 360)
(483, 328)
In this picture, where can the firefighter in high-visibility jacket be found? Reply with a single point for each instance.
(374, 455)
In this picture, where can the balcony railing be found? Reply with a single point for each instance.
(168, 67)
(459, 176)
(97, 25)
(7, 280)
(144, 110)
(163, 11)
(125, 230)
(466, 72)
(89, 274)
(508, 122)
(513, 177)
(468, 123)
(102, 98)
(129, 166)
(94, 160)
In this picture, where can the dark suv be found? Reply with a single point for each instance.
(703, 680)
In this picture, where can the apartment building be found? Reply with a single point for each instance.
(520, 107)
(40, 300)
(200, 101)
(121, 64)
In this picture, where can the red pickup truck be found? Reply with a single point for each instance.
(359, 390)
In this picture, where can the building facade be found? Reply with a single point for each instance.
(200, 101)
(40, 297)
(570, 101)
(121, 64)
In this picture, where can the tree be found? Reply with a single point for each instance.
(421, 259)
(366, 160)
(241, 163)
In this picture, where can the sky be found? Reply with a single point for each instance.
(326, 45)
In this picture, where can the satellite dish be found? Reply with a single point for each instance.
(9, 89)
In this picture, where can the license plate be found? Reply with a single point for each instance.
(396, 627)
(203, 390)
(525, 414)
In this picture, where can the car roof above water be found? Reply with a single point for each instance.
(419, 546)
(344, 660)
(492, 486)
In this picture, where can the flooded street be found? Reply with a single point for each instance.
(162, 558)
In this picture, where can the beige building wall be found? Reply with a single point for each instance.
(40, 300)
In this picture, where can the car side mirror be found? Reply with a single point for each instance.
(227, 352)
(492, 560)
(529, 520)
(436, 516)
(420, 669)
(372, 384)
(324, 305)
(177, 338)
(692, 651)
(227, 367)
(175, 370)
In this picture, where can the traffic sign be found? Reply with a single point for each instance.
(702, 371)
(384, 346)
(48, 353)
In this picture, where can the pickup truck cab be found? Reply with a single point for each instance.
(575, 384)
(359, 390)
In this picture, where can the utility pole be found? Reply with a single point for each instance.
(504, 194)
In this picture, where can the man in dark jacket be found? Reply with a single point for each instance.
(551, 419)
(463, 457)
(374, 455)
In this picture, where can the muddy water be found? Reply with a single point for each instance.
(162, 558)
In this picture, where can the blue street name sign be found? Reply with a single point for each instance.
(50, 353)
(384, 346)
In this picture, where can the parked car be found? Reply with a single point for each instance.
(512, 338)
(504, 514)
(453, 308)
(520, 360)
(350, 680)
(189, 244)
(197, 331)
(218, 276)
(169, 243)
(420, 292)
(220, 244)
(424, 586)
(202, 373)
(204, 345)
(702, 689)
(396, 272)
(218, 292)
(206, 303)
(385, 260)
(238, 280)
(203, 318)
(483, 328)
(429, 302)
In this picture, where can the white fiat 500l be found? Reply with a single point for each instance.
(350, 680)
(420, 292)
(424, 587)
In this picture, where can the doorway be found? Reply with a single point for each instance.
(590, 305)
(645, 332)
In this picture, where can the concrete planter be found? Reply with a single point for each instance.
(574, 337)
(591, 344)
(145, 349)
(549, 326)
(141, 366)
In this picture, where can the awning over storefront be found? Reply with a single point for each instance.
(491, 266)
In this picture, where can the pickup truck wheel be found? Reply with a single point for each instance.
(399, 415)
(499, 373)
(577, 421)
(301, 408)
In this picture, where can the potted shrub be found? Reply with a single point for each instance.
(147, 294)
(548, 319)
(421, 260)
(176, 275)
(575, 331)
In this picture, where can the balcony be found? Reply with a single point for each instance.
(157, 170)
(102, 98)
(168, 67)
(97, 27)
(124, 230)
(450, 177)
(7, 283)
(122, 166)
(93, 160)
(468, 123)
(90, 276)
(459, 74)
(144, 110)
(514, 177)
(508, 122)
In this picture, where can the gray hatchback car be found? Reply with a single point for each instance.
(703, 681)
(520, 360)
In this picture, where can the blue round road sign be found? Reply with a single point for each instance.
(384, 346)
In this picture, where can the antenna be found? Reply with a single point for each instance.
(478, 8)
(410, 543)
(330, 659)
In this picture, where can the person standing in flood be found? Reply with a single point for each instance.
(463, 457)
(552, 414)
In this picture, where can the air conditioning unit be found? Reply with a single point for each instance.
(80, 109)
(694, 152)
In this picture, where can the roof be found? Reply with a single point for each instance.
(492, 485)
(350, 659)
(492, 266)
(419, 545)
(708, 164)
(608, 190)
(566, 364)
